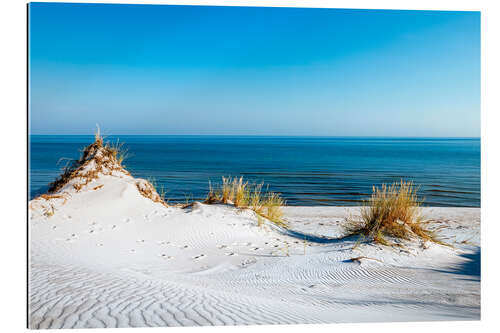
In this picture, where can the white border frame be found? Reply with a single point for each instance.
(14, 157)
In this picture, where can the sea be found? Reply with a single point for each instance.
(307, 171)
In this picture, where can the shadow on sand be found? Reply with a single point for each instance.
(471, 266)
(316, 239)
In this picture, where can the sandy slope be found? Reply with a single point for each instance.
(109, 257)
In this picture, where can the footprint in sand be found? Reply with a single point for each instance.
(164, 256)
(248, 262)
(94, 231)
(201, 256)
(72, 238)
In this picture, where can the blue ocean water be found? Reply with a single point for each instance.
(305, 170)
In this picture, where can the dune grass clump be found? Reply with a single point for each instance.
(120, 153)
(97, 158)
(392, 211)
(243, 194)
(148, 190)
(271, 208)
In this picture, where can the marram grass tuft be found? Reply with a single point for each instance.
(392, 211)
(242, 194)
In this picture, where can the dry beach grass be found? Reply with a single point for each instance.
(106, 157)
(392, 211)
(243, 194)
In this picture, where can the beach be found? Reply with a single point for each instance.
(104, 254)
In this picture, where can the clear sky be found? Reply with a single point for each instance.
(159, 69)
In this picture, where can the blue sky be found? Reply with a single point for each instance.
(137, 69)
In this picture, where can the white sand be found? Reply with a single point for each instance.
(112, 258)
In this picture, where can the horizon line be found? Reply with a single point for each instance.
(270, 135)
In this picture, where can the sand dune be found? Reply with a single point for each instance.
(106, 256)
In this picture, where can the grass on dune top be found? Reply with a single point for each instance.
(106, 158)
